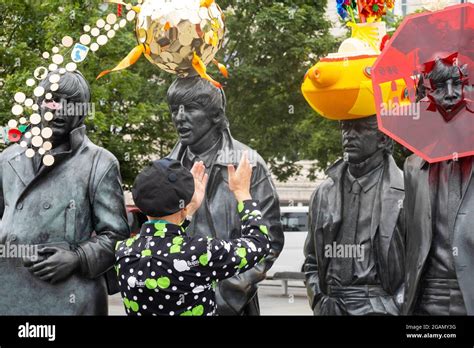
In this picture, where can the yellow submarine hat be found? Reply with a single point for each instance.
(339, 86)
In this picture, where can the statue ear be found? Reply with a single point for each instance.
(383, 142)
(217, 117)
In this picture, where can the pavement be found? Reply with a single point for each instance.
(273, 301)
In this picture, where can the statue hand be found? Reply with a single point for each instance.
(59, 265)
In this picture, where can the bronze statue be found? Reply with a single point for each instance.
(72, 211)
(198, 111)
(355, 245)
(439, 212)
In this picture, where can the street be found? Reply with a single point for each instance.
(272, 300)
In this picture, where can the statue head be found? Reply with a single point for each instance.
(443, 83)
(361, 139)
(69, 104)
(197, 108)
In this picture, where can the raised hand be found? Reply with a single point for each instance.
(200, 181)
(240, 179)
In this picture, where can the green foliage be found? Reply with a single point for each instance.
(272, 45)
(131, 116)
(269, 47)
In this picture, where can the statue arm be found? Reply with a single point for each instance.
(2, 199)
(400, 291)
(109, 222)
(310, 266)
(264, 191)
(408, 209)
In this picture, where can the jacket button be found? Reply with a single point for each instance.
(13, 237)
(19, 206)
(46, 205)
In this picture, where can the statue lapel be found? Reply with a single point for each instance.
(23, 168)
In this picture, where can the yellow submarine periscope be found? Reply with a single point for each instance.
(339, 86)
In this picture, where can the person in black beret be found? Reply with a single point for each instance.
(163, 271)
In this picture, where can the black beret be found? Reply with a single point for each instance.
(164, 188)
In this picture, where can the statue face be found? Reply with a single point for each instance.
(69, 105)
(360, 139)
(191, 122)
(447, 92)
(62, 123)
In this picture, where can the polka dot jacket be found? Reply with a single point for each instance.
(162, 271)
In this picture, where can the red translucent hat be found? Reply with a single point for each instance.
(415, 117)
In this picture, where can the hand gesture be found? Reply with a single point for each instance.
(200, 181)
(240, 179)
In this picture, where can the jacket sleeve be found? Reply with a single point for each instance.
(310, 266)
(409, 203)
(109, 221)
(223, 259)
(2, 199)
(398, 245)
(235, 293)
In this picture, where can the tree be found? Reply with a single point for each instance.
(131, 117)
(269, 47)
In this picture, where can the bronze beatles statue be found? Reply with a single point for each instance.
(72, 213)
(439, 213)
(198, 111)
(355, 245)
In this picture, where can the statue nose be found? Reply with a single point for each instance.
(180, 115)
(450, 90)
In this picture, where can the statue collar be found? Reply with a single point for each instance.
(368, 180)
(207, 156)
(76, 138)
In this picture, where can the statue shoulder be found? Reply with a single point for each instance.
(104, 160)
(10, 152)
(324, 187)
(413, 163)
(253, 154)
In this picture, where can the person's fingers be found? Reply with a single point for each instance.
(198, 170)
(205, 179)
(202, 170)
(231, 170)
(244, 165)
(243, 159)
(194, 169)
